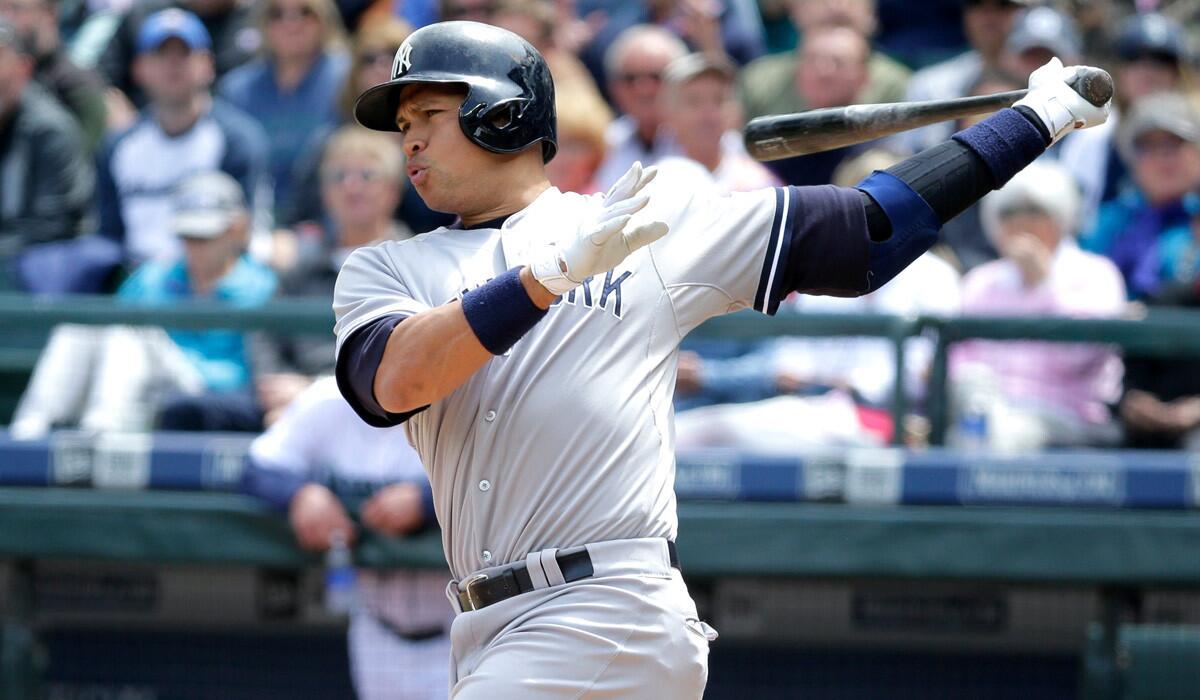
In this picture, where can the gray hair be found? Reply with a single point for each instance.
(1043, 186)
(635, 35)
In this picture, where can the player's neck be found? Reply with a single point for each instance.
(517, 198)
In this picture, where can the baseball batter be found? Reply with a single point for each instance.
(531, 348)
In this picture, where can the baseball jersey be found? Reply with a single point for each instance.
(567, 439)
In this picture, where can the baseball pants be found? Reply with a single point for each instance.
(629, 631)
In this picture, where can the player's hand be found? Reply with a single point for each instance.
(316, 514)
(395, 509)
(602, 242)
(1056, 103)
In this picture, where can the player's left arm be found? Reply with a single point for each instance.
(905, 206)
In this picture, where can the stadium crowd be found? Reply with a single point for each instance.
(160, 150)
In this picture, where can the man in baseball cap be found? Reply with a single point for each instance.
(1041, 33)
(172, 23)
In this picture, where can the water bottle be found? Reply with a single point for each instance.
(340, 591)
(973, 426)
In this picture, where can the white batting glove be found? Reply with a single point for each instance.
(602, 243)
(1056, 103)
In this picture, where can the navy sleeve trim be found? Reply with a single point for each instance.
(771, 259)
(357, 363)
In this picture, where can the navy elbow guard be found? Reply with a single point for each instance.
(914, 227)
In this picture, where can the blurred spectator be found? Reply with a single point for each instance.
(964, 233)
(116, 378)
(728, 27)
(399, 626)
(46, 181)
(79, 90)
(1033, 395)
(292, 90)
(362, 176)
(1039, 34)
(702, 115)
(583, 119)
(816, 391)
(1151, 52)
(1160, 141)
(832, 72)
(1161, 405)
(634, 65)
(182, 131)
(538, 22)
(770, 85)
(234, 39)
(919, 39)
(987, 24)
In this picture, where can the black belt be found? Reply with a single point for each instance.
(483, 590)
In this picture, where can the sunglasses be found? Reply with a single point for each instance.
(338, 176)
(1162, 143)
(632, 78)
(277, 14)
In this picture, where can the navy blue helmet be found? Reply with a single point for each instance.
(510, 96)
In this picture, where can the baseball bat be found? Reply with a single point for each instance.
(787, 135)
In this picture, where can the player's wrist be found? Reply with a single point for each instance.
(539, 294)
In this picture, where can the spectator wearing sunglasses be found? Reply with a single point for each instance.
(633, 67)
(292, 89)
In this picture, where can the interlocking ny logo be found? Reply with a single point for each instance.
(403, 61)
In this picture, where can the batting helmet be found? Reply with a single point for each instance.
(510, 95)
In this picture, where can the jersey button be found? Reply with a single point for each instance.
(486, 556)
(485, 485)
(489, 416)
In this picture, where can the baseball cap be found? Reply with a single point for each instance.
(1046, 28)
(172, 23)
(1172, 112)
(206, 204)
(1151, 34)
(693, 65)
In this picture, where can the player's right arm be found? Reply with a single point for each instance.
(432, 353)
(396, 356)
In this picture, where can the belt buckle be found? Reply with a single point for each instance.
(469, 592)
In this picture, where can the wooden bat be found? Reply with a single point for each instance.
(787, 135)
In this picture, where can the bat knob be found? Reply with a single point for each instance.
(1094, 84)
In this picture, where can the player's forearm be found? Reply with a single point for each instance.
(428, 356)
(435, 352)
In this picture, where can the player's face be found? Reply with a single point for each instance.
(450, 173)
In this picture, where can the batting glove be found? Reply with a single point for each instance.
(1056, 103)
(602, 243)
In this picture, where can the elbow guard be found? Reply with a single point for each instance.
(914, 227)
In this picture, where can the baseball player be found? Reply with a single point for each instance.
(531, 348)
(398, 638)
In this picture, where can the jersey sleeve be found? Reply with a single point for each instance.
(752, 249)
(368, 288)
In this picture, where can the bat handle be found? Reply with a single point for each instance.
(1094, 84)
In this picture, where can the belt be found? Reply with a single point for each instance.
(482, 590)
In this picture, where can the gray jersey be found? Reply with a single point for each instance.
(568, 439)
